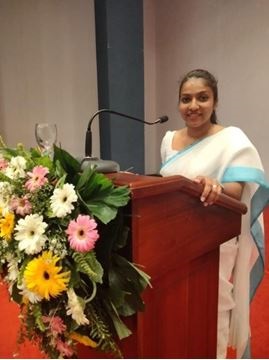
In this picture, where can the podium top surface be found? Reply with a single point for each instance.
(145, 186)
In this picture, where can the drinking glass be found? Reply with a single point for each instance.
(46, 136)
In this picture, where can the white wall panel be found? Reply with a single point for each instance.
(48, 70)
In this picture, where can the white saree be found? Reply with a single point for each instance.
(229, 156)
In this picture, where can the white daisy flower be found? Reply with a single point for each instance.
(30, 295)
(16, 167)
(62, 199)
(74, 308)
(5, 195)
(13, 270)
(30, 233)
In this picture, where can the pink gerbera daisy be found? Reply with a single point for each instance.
(21, 206)
(82, 233)
(37, 178)
(3, 163)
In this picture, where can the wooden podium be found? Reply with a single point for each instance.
(177, 241)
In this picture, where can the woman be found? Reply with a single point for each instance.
(222, 159)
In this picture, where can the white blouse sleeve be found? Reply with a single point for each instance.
(166, 145)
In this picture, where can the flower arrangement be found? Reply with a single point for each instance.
(61, 234)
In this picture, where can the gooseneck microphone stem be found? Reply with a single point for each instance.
(88, 143)
(120, 114)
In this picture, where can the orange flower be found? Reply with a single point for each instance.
(83, 339)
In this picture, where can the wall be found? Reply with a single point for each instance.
(227, 37)
(48, 66)
(48, 70)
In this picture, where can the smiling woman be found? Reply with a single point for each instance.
(222, 160)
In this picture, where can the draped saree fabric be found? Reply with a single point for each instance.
(229, 156)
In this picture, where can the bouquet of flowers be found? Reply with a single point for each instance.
(62, 234)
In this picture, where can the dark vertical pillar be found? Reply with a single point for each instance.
(120, 70)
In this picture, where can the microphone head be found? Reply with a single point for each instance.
(163, 119)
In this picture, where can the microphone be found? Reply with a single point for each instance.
(88, 142)
(108, 165)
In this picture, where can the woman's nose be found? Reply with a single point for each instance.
(193, 104)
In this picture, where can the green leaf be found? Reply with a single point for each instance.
(103, 212)
(89, 265)
(121, 329)
(74, 277)
(119, 196)
(59, 170)
(9, 153)
(35, 153)
(44, 161)
(94, 185)
(37, 312)
(138, 276)
(70, 165)
(5, 178)
(84, 181)
(130, 283)
(100, 197)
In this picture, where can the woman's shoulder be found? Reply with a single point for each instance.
(238, 136)
(168, 137)
(169, 134)
(235, 131)
(166, 144)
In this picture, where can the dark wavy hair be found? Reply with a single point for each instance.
(209, 80)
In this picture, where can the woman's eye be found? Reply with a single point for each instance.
(185, 99)
(203, 98)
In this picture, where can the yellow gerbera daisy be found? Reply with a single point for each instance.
(44, 277)
(7, 225)
(83, 339)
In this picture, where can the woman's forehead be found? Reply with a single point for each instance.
(194, 85)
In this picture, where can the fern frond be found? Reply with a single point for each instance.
(101, 333)
(89, 265)
(38, 317)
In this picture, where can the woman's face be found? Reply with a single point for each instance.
(196, 102)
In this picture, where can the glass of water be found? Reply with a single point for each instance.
(46, 136)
